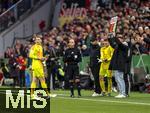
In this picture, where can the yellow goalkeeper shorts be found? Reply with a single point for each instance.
(105, 72)
(38, 72)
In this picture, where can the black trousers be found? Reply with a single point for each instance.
(51, 74)
(22, 78)
(95, 72)
(72, 71)
(127, 82)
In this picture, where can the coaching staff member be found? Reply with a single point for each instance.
(118, 61)
(95, 65)
(72, 57)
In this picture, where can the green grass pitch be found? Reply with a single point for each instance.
(136, 103)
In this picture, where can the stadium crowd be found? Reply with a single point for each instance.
(7, 19)
(133, 26)
(13, 10)
(5, 4)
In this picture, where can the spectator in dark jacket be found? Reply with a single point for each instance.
(14, 71)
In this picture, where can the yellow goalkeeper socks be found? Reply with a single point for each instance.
(44, 86)
(102, 84)
(33, 86)
(109, 79)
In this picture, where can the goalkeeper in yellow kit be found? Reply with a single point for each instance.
(106, 55)
(36, 54)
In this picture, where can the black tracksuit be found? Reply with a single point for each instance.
(95, 66)
(72, 57)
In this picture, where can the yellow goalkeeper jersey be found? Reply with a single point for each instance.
(36, 52)
(106, 54)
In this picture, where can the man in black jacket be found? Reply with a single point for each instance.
(118, 62)
(127, 73)
(51, 64)
(95, 65)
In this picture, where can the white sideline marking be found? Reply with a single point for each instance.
(94, 100)
(112, 101)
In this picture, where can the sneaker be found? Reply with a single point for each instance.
(109, 94)
(102, 94)
(79, 96)
(33, 97)
(72, 96)
(47, 97)
(120, 96)
(52, 95)
(95, 94)
(114, 89)
(127, 95)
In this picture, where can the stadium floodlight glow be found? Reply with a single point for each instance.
(21, 97)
